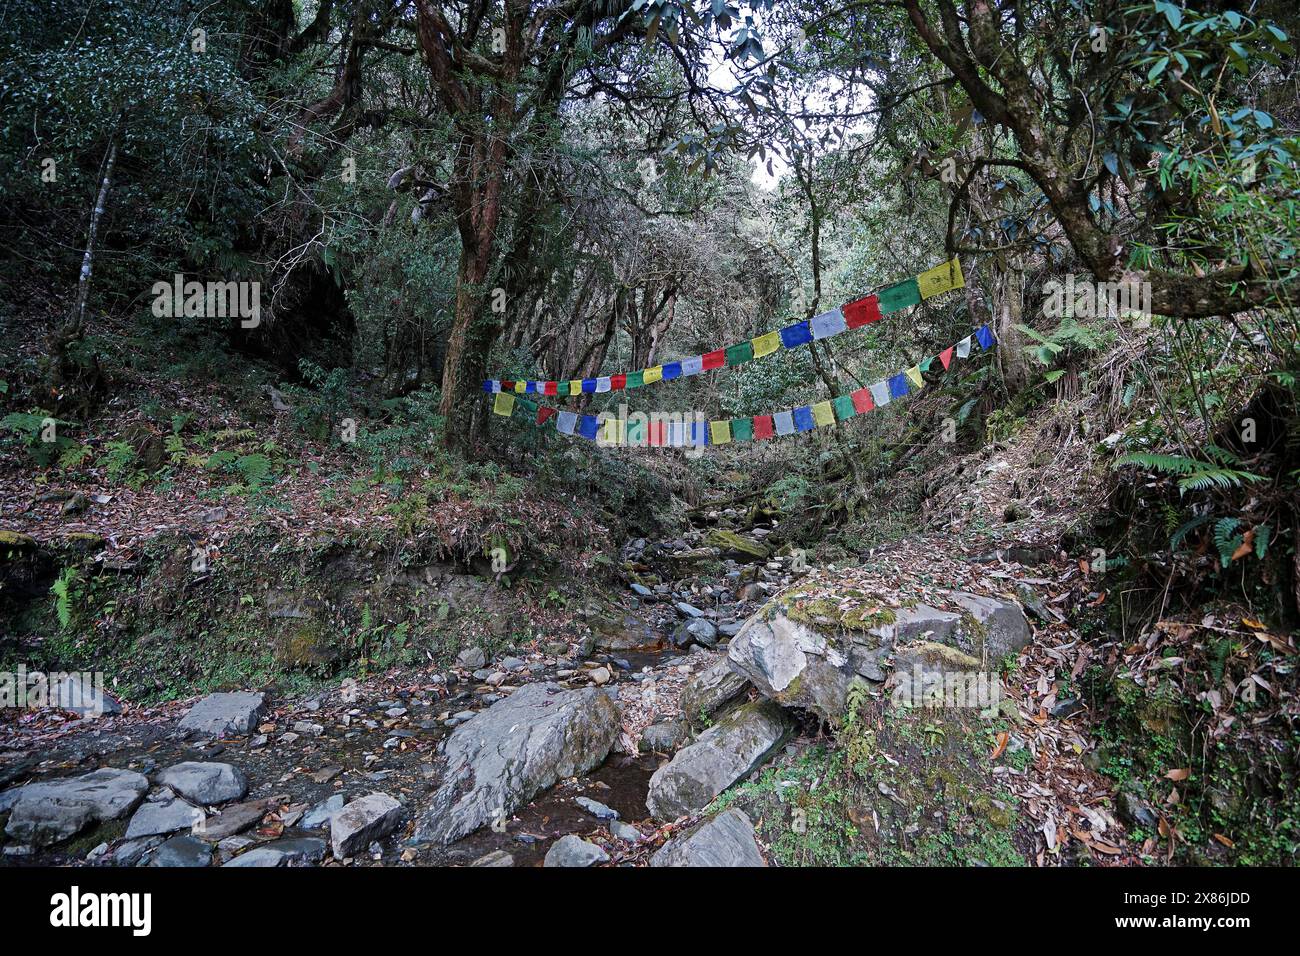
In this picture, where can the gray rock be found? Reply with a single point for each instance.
(184, 851)
(471, 658)
(48, 811)
(570, 850)
(131, 852)
(725, 753)
(731, 628)
(495, 858)
(798, 665)
(300, 851)
(688, 610)
(596, 808)
(625, 831)
(711, 689)
(225, 715)
(663, 737)
(204, 782)
(695, 631)
(166, 815)
(726, 840)
(73, 692)
(233, 819)
(641, 589)
(362, 822)
(500, 758)
(321, 814)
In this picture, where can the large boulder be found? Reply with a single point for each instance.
(737, 546)
(711, 690)
(225, 715)
(726, 840)
(807, 653)
(502, 756)
(725, 753)
(363, 821)
(167, 814)
(48, 811)
(204, 782)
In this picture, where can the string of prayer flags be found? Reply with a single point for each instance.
(676, 431)
(852, 315)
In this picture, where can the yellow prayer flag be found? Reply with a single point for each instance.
(521, 387)
(941, 279)
(766, 344)
(653, 374)
(823, 414)
(575, 386)
(914, 376)
(720, 432)
(504, 404)
(615, 430)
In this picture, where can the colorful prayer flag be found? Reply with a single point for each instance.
(672, 370)
(946, 356)
(565, 422)
(589, 427)
(862, 312)
(652, 375)
(898, 385)
(549, 388)
(793, 336)
(693, 366)
(823, 414)
(827, 324)
(521, 387)
(803, 419)
(880, 393)
(914, 376)
(738, 353)
(985, 337)
(504, 404)
(589, 385)
(862, 401)
(742, 429)
(963, 348)
(575, 386)
(766, 344)
(603, 384)
(844, 407)
(763, 427)
(899, 296)
(714, 359)
(618, 382)
(941, 278)
(784, 422)
(544, 413)
(720, 432)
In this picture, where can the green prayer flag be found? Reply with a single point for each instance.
(635, 379)
(899, 295)
(925, 364)
(844, 407)
(562, 388)
(742, 429)
(741, 352)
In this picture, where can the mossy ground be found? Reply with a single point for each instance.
(898, 787)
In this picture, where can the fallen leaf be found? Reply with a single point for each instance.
(1181, 773)
(1224, 840)
(1003, 739)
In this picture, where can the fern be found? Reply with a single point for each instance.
(1182, 532)
(64, 593)
(1226, 540)
(256, 469)
(1194, 475)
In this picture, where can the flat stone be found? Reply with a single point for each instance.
(225, 715)
(48, 811)
(165, 815)
(711, 689)
(504, 755)
(596, 808)
(695, 631)
(207, 783)
(625, 831)
(183, 851)
(495, 858)
(688, 610)
(321, 814)
(363, 821)
(297, 851)
(724, 754)
(232, 820)
(726, 840)
(573, 851)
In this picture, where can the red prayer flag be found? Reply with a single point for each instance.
(862, 312)
(543, 413)
(715, 359)
(656, 431)
(548, 388)
(507, 386)
(763, 426)
(862, 402)
(946, 356)
(618, 382)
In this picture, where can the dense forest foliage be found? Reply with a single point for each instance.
(421, 196)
